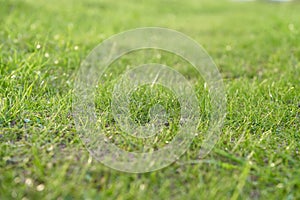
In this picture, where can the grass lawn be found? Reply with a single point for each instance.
(256, 46)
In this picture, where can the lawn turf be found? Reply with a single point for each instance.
(256, 46)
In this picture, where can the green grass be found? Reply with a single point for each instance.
(256, 47)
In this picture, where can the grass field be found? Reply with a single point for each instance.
(256, 46)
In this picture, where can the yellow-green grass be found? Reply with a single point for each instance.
(256, 46)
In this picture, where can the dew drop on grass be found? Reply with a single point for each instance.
(40, 187)
(50, 148)
(272, 164)
(142, 187)
(28, 181)
(26, 120)
(280, 185)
